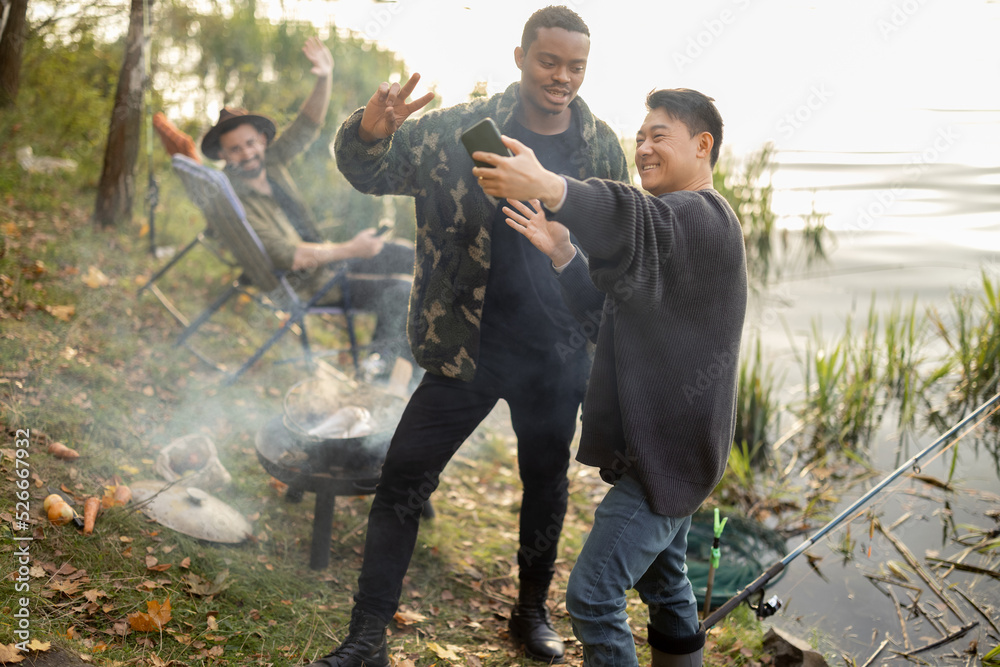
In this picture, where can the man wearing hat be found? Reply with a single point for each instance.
(256, 163)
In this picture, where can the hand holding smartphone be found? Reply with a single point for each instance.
(484, 136)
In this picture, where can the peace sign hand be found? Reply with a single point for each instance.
(387, 109)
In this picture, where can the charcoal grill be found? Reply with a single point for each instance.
(328, 468)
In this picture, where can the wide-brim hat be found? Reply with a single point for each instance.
(229, 118)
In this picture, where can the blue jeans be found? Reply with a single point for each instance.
(631, 547)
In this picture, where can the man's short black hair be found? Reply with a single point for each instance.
(692, 108)
(553, 16)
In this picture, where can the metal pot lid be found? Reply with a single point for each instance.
(190, 511)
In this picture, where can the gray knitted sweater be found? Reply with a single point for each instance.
(661, 402)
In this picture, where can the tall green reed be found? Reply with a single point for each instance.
(757, 406)
(972, 334)
(749, 192)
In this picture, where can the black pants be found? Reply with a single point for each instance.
(441, 414)
(380, 285)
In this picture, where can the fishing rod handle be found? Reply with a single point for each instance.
(734, 601)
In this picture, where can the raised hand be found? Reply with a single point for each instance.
(547, 235)
(319, 56)
(388, 108)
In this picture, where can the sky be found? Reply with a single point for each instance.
(827, 75)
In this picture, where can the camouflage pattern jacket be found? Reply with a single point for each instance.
(425, 159)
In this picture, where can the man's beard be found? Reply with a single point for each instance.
(249, 174)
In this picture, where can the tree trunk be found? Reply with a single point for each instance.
(116, 189)
(12, 50)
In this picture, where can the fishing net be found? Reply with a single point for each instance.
(748, 549)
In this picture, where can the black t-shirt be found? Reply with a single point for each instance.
(524, 315)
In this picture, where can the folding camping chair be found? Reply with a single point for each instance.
(212, 192)
(205, 238)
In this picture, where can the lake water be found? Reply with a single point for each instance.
(924, 238)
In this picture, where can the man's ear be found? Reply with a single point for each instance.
(519, 57)
(705, 143)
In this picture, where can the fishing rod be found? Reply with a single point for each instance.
(759, 583)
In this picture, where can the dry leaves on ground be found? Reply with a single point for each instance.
(153, 619)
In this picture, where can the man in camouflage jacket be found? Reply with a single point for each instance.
(425, 159)
(487, 320)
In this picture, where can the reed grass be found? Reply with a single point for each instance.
(972, 333)
(749, 191)
(851, 380)
(757, 406)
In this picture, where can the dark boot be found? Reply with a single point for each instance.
(531, 627)
(364, 645)
(661, 659)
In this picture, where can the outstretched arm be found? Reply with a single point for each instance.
(318, 101)
(365, 244)
(520, 177)
(627, 234)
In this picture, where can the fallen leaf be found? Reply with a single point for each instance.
(213, 625)
(35, 645)
(9, 654)
(153, 619)
(445, 652)
(64, 313)
(65, 570)
(408, 617)
(69, 588)
(93, 595)
(186, 563)
(95, 278)
(151, 564)
(199, 586)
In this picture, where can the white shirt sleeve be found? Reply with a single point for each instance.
(559, 269)
(555, 209)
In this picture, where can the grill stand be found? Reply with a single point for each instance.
(272, 442)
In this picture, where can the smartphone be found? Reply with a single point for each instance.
(484, 136)
(382, 229)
